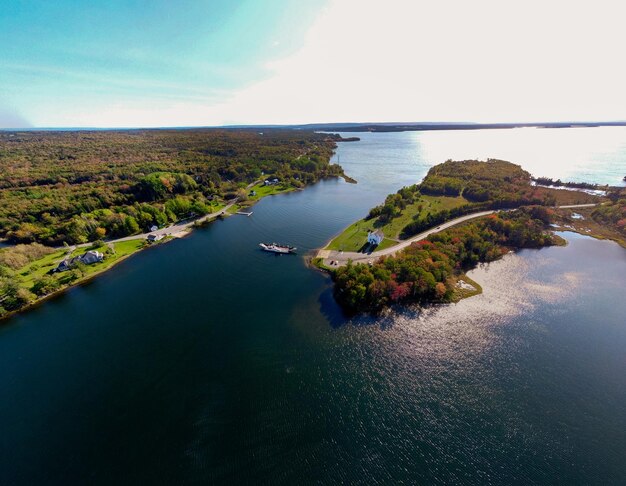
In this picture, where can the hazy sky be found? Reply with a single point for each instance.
(212, 62)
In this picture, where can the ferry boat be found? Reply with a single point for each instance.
(277, 248)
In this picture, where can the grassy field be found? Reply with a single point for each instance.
(262, 191)
(355, 235)
(38, 268)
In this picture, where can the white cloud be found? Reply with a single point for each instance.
(401, 60)
(482, 61)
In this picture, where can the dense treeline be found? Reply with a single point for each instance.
(82, 186)
(395, 203)
(494, 184)
(497, 181)
(13, 296)
(613, 213)
(427, 271)
(547, 181)
(433, 219)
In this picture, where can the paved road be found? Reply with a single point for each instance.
(180, 227)
(573, 206)
(342, 257)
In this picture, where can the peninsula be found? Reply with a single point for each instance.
(418, 244)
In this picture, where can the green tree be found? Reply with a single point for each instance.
(45, 285)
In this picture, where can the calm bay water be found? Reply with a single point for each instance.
(208, 361)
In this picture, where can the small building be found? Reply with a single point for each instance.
(375, 237)
(153, 237)
(252, 193)
(154, 227)
(91, 257)
(65, 265)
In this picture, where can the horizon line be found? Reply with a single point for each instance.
(326, 124)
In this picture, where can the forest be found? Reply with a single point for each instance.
(613, 213)
(494, 184)
(501, 183)
(427, 271)
(79, 186)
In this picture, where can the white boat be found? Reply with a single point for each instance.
(276, 248)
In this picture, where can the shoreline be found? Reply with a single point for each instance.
(58, 293)
(342, 257)
(465, 287)
(185, 230)
(587, 226)
(331, 261)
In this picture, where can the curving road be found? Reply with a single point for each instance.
(341, 257)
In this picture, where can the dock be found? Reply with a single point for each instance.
(243, 213)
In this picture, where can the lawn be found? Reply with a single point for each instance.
(355, 235)
(38, 268)
(262, 191)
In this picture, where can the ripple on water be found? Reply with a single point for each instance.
(472, 391)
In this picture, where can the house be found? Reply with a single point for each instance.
(65, 265)
(252, 193)
(270, 182)
(375, 237)
(154, 227)
(91, 257)
(153, 237)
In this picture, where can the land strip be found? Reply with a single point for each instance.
(337, 258)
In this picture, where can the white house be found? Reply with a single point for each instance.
(152, 237)
(154, 227)
(375, 237)
(92, 256)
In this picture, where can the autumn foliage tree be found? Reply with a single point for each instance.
(427, 270)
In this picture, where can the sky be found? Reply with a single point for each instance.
(150, 63)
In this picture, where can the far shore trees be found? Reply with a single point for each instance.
(76, 187)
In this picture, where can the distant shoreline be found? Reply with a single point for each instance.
(346, 127)
(423, 127)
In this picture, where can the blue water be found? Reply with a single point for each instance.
(208, 361)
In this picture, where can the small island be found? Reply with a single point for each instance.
(417, 246)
